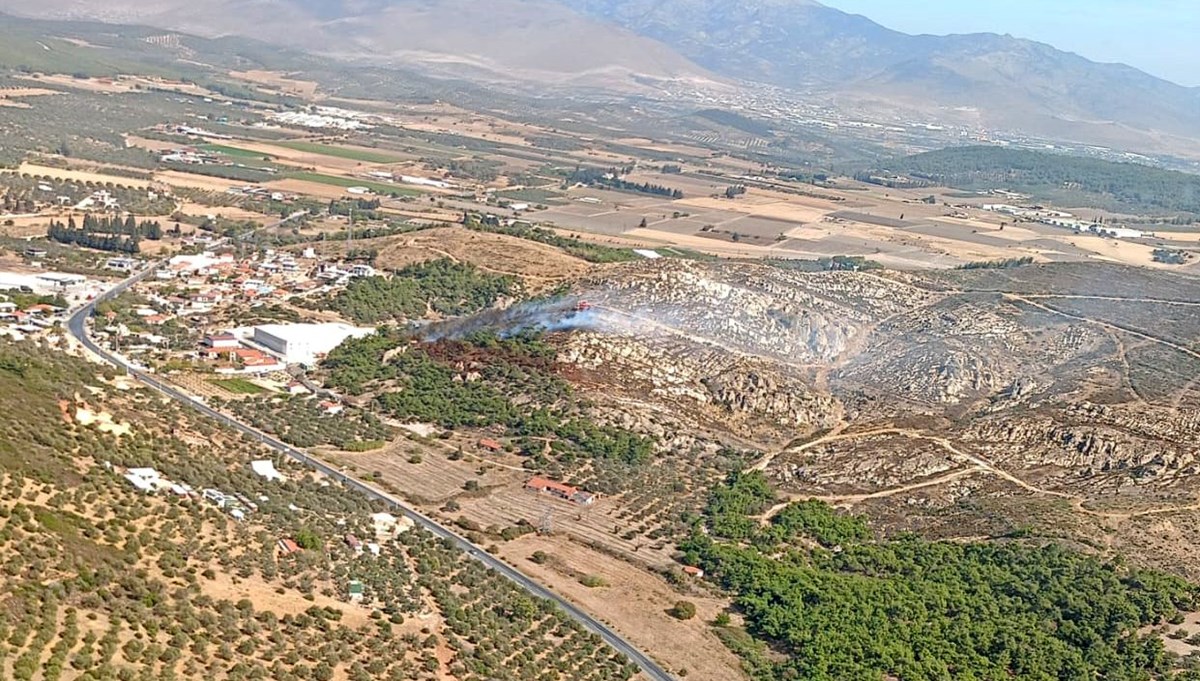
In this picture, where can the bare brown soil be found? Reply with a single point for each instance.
(540, 266)
(635, 601)
(80, 175)
(279, 81)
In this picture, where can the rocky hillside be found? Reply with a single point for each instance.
(1066, 377)
(996, 80)
(514, 40)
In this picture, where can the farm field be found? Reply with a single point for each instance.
(434, 479)
(382, 188)
(238, 386)
(80, 175)
(351, 153)
(638, 601)
(237, 152)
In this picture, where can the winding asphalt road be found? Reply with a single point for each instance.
(77, 326)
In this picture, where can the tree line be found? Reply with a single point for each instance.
(442, 286)
(113, 234)
(612, 178)
(597, 253)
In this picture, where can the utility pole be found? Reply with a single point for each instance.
(546, 522)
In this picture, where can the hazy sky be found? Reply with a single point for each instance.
(1161, 37)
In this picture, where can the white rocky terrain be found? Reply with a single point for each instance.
(925, 390)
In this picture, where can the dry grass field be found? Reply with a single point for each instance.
(280, 82)
(538, 265)
(81, 175)
(11, 96)
(635, 600)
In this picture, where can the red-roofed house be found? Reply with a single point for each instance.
(561, 490)
(490, 445)
(288, 547)
(41, 310)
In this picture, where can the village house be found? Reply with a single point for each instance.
(561, 490)
(147, 480)
(490, 445)
(42, 310)
(288, 547)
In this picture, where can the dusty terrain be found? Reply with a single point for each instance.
(538, 265)
(634, 599)
(1060, 400)
(1072, 384)
(80, 175)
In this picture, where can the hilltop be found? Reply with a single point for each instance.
(1130, 187)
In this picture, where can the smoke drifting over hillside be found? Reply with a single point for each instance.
(563, 314)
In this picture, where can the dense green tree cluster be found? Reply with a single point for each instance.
(443, 287)
(361, 209)
(476, 168)
(512, 388)
(918, 610)
(104, 233)
(611, 178)
(1131, 185)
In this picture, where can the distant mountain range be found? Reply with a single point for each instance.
(500, 40)
(994, 80)
(985, 79)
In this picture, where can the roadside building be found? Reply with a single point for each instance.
(121, 264)
(305, 343)
(265, 469)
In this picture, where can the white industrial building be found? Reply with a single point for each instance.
(305, 343)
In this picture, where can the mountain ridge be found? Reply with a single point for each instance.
(983, 80)
(446, 36)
